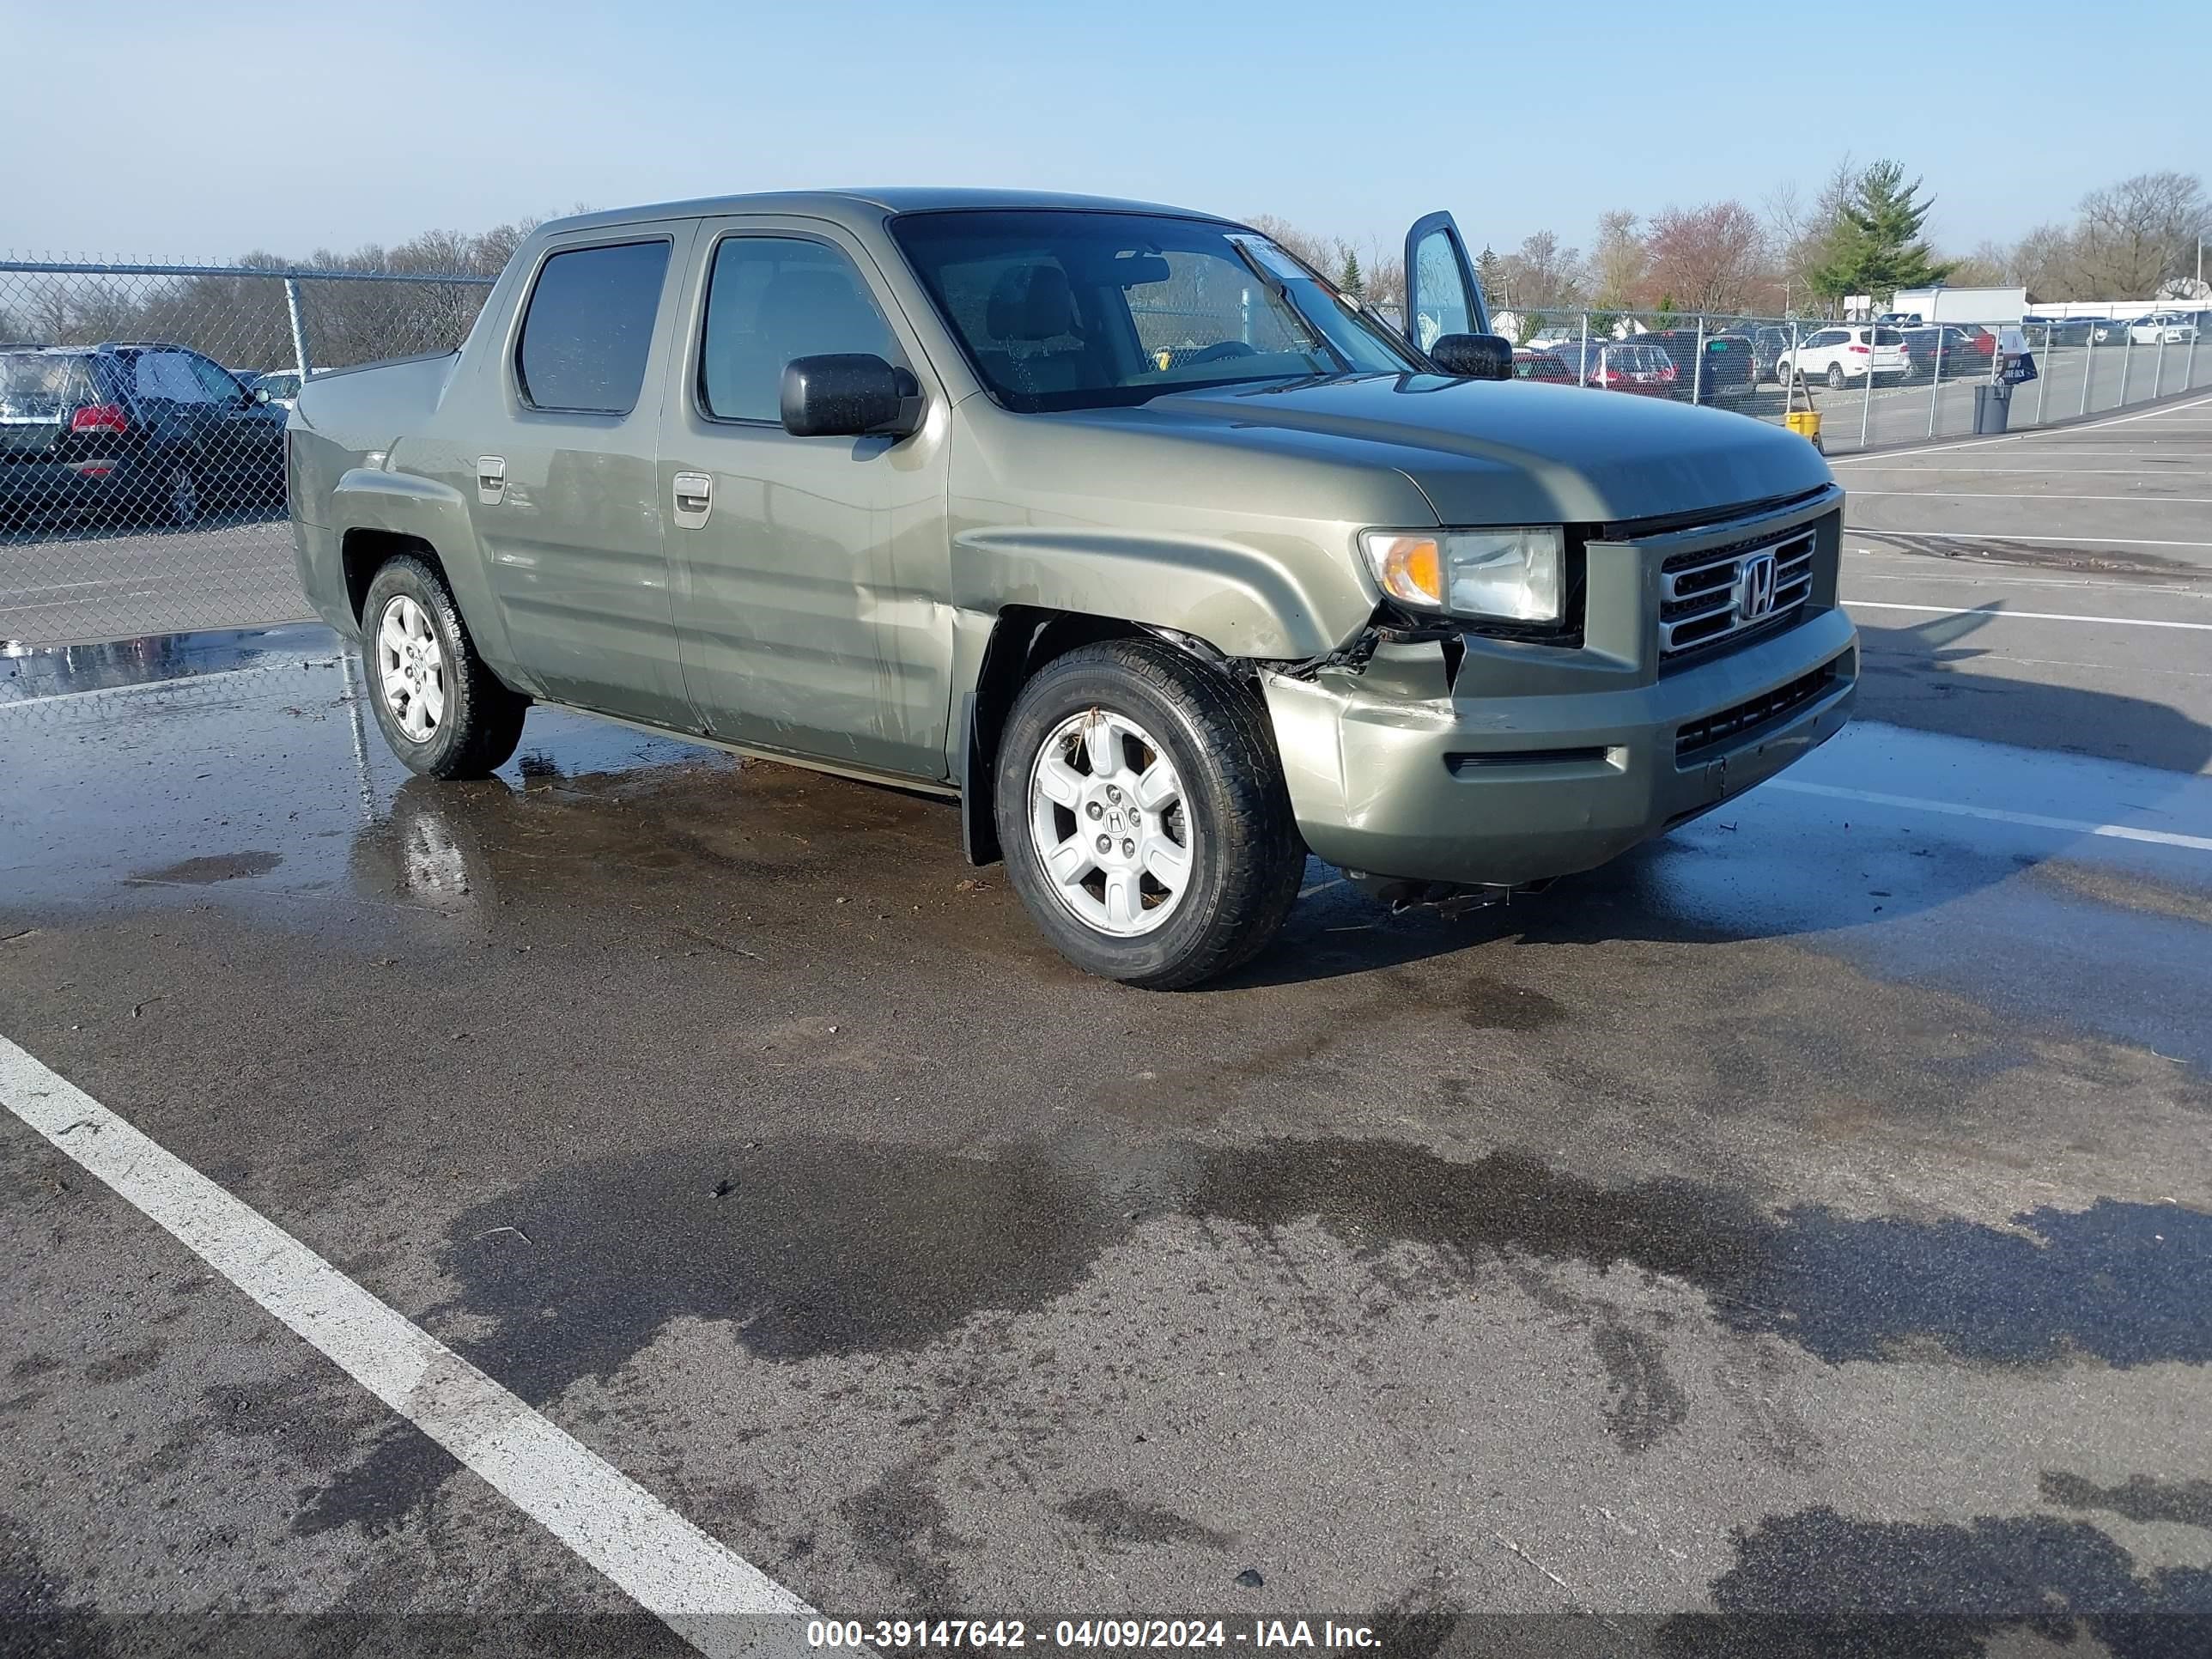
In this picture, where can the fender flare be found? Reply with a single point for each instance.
(422, 509)
(1244, 602)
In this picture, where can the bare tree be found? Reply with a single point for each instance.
(1543, 275)
(1706, 258)
(1619, 259)
(2138, 235)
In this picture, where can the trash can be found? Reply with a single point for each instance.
(1992, 407)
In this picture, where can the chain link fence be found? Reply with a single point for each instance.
(1873, 385)
(142, 409)
(141, 432)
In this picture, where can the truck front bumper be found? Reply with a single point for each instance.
(1506, 790)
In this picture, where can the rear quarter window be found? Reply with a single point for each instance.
(37, 388)
(588, 330)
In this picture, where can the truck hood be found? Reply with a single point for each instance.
(1511, 452)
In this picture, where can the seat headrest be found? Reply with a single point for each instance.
(1031, 302)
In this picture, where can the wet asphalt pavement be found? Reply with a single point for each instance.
(1796, 1239)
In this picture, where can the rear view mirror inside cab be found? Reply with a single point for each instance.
(1134, 269)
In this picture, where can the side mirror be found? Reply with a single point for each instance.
(1473, 356)
(848, 394)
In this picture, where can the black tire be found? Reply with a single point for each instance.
(481, 721)
(174, 497)
(1246, 855)
(1837, 378)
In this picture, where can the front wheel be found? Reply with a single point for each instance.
(1141, 804)
(444, 712)
(1836, 377)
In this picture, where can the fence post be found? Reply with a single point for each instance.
(1936, 385)
(1582, 358)
(2188, 379)
(2088, 365)
(2158, 365)
(2127, 356)
(2043, 381)
(299, 330)
(1866, 391)
(1698, 369)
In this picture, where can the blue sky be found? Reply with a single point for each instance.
(203, 129)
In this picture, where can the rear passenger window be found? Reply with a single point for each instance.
(589, 328)
(770, 300)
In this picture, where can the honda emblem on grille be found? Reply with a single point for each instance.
(1755, 588)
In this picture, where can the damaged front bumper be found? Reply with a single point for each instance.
(1399, 769)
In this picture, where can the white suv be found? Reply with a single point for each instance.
(2163, 328)
(1841, 354)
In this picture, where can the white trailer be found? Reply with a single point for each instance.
(1992, 307)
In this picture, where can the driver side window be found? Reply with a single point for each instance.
(222, 385)
(771, 299)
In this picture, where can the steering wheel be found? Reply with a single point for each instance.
(1214, 354)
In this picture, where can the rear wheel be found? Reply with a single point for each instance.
(1836, 377)
(444, 712)
(1141, 804)
(170, 494)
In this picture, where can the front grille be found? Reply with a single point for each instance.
(1762, 710)
(1703, 598)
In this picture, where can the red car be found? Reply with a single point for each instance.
(1629, 366)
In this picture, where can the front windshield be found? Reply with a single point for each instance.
(1068, 309)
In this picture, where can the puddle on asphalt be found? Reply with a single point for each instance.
(807, 1247)
(1819, 1582)
(264, 788)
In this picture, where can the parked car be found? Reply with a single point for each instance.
(132, 429)
(2044, 331)
(1630, 365)
(282, 385)
(1166, 603)
(1843, 352)
(1729, 375)
(1530, 364)
(1948, 349)
(2163, 328)
(1770, 342)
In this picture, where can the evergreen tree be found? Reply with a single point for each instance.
(1350, 279)
(1490, 272)
(1876, 247)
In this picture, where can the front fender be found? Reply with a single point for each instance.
(1244, 600)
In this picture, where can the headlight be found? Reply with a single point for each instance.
(1507, 576)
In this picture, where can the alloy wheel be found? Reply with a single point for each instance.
(411, 669)
(1107, 817)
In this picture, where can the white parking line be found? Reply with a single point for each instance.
(1992, 495)
(2022, 437)
(693, 1582)
(2026, 616)
(1961, 536)
(176, 683)
(1995, 814)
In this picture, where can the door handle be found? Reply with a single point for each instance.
(694, 498)
(491, 479)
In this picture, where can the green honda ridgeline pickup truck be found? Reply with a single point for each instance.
(1114, 521)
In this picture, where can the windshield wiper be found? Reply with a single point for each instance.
(1281, 290)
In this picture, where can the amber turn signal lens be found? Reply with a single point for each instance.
(1411, 569)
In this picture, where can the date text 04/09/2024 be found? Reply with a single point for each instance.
(894, 1634)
